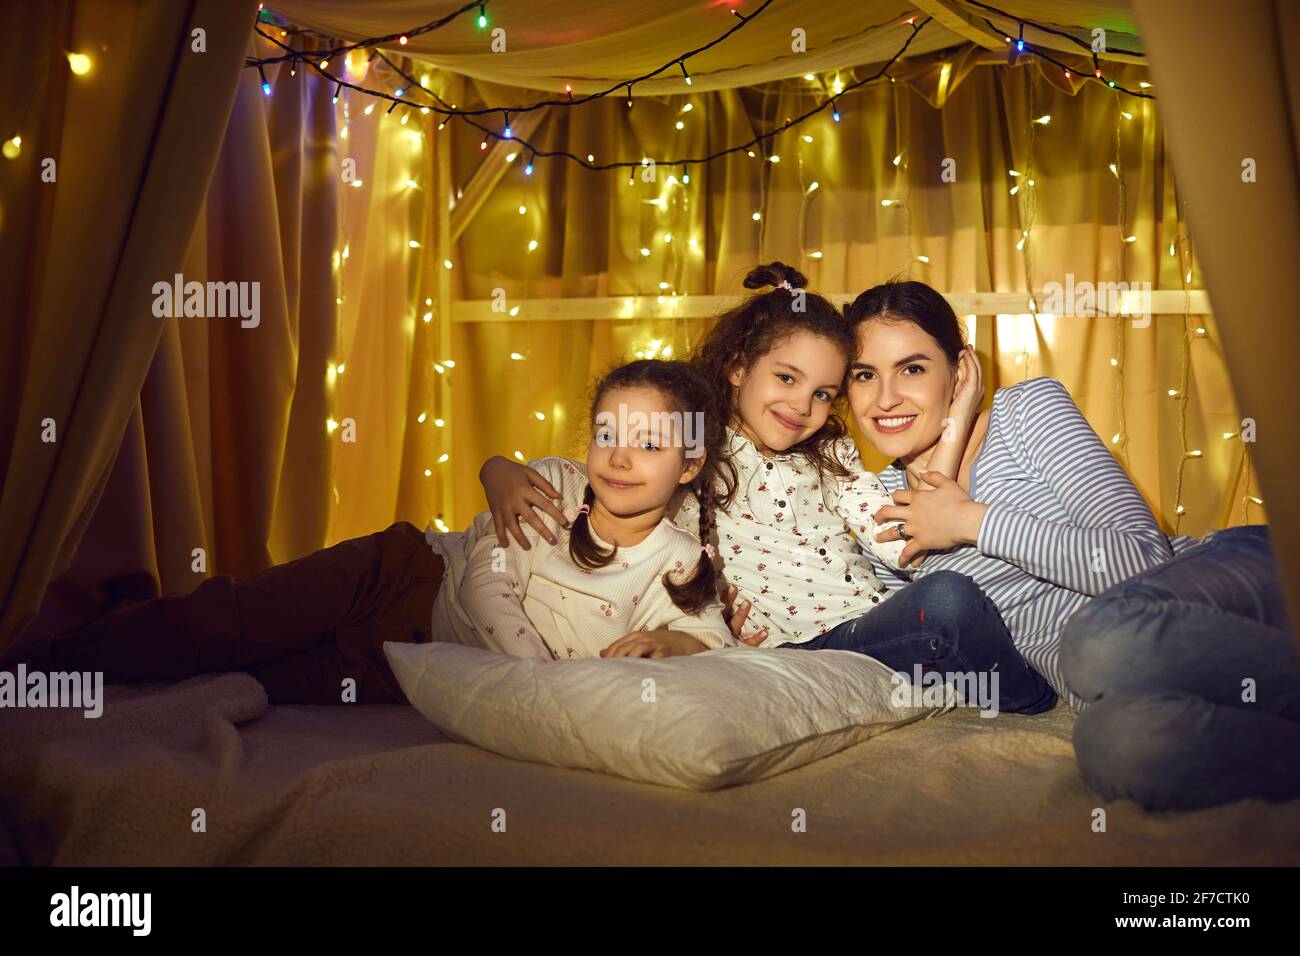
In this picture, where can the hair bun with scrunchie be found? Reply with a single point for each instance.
(776, 274)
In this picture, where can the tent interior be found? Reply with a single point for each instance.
(444, 293)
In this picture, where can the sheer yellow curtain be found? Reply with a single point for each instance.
(1052, 180)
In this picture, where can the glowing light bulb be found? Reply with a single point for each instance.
(414, 244)
(12, 147)
(532, 245)
(403, 39)
(516, 356)
(79, 63)
(420, 417)
(1044, 119)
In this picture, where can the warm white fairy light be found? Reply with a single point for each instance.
(516, 356)
(421, 417)
(443, 457)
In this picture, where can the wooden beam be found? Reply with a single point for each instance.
(649, 307)
(948, 14)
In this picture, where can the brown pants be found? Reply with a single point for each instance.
(300, 628)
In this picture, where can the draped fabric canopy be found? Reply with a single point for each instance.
(593, 46)
(182, 436)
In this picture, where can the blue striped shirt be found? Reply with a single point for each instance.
(1064, 521)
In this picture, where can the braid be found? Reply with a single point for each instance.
(582, 548)
(701, 589)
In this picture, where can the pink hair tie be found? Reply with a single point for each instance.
(708, 549)
(584, 510)
(785, 284)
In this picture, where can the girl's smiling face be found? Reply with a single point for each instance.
(900, 387)
(786, 395)
(638, 451)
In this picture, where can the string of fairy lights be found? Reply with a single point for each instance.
(678, 206)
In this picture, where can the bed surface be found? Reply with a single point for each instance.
(363, 785)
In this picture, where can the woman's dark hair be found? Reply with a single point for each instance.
(685, 390)
(758, 325)
(899, 300)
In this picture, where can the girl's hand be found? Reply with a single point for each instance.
(513, 492)
(933, 520)
(736, 619)
(654, 645)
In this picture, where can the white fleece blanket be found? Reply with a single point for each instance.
(379, 785)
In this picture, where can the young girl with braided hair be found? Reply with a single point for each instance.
(627, 583)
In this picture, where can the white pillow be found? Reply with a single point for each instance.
(709, 720)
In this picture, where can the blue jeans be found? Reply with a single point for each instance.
(944, 623)
(1192, 678)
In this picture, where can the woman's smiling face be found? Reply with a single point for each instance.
(900, 387)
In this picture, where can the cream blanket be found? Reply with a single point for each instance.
(380, 785)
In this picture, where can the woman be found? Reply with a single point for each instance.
(1185, 664)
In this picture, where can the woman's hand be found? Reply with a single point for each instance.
(654, 645)
(513, 492)
(736, 619)
(933, 520)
